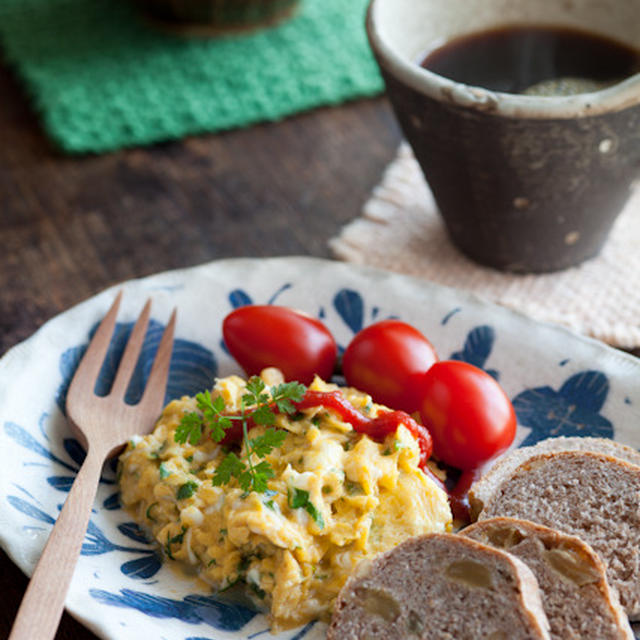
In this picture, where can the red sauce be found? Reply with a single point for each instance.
(459, 495)
(377, 428)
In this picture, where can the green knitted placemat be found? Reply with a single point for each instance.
(102, 79)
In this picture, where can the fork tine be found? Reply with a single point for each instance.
(131, 353)
(155, 390)
(84, 379)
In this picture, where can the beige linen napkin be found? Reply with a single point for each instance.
(400, 230)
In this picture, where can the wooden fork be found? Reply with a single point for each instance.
(102, 424)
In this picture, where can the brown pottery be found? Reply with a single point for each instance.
(523, 183)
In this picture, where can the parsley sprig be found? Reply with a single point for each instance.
(258, 405)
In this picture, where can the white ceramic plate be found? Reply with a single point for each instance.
(560, 384)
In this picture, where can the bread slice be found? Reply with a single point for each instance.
(591, 495)
(443, 586)
(575, 593)
(486, 486)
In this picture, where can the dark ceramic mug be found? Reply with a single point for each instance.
(523, 183)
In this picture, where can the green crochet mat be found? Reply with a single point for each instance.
(101, 79)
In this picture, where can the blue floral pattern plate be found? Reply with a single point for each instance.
(560, 384)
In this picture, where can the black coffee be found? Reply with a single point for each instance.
(516, 59)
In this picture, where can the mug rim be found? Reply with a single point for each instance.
(617, 97)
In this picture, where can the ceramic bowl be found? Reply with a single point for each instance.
(523, 183)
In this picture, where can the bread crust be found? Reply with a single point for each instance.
(591, 495)
(409, 592)
(485, 487)
(583, 600)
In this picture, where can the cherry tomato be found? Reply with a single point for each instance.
(469, 416)
(260, 336)
(386, 359)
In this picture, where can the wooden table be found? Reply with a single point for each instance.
(69, 227)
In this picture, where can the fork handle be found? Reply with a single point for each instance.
(43, 602)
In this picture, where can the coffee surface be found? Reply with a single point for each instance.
(537, 60)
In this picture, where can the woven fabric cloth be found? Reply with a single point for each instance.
(101, 78)
(400, 230)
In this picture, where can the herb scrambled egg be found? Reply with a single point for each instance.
(337, 497)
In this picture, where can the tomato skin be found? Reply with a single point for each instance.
(469, 416)
(386, 360)
(260, 336)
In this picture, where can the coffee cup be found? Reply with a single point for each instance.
(524, 183)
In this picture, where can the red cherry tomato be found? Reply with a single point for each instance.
(469, 416)
(386, 359)
(260, 336)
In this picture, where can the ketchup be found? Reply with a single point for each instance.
(459, 495)
(377, 428)
(385, 423)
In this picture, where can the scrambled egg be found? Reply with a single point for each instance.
(363, 497)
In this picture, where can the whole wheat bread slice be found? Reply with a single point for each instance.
(575, 593)
(486, 485)
(443, 586)
(593, 496)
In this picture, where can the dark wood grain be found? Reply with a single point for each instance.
(70, 227)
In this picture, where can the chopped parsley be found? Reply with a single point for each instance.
(154, 455)
(299, 499)
(178, 538)
(353, 488)
(149, 508)
(261, 593)
(231, 584)
(186, 490)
